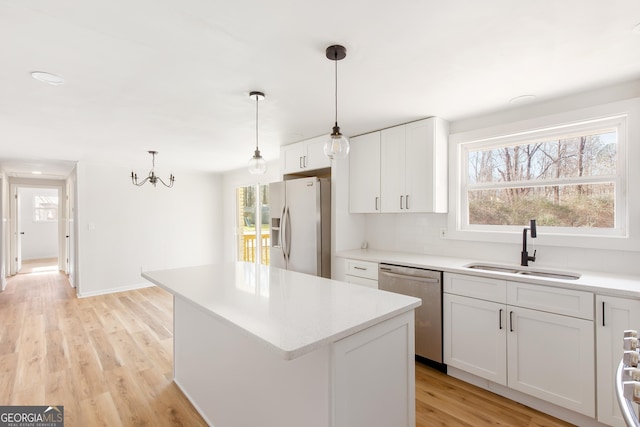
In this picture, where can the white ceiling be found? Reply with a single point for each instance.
(174, 76)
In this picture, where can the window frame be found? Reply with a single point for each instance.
(40, 209)
(624, 116)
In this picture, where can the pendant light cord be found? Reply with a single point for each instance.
(335, 60)
(257, 122)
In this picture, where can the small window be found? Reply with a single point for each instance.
(253, 224)
(45, 208)
(568, 178)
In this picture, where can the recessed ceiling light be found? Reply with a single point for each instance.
(43, 76)
(636, 29)
(522, 99)
(36, 172)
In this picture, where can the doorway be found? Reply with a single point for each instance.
(36, 228)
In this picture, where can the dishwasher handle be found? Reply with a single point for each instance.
(406, 276)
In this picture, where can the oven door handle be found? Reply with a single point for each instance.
(407, 277)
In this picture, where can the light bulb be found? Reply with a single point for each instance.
(257, 165)
(337, 146)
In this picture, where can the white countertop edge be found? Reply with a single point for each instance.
(591, 281)
(289, 354)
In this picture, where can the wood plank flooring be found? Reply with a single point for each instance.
(108, 360)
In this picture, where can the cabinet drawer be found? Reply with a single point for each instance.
(475, 287)
(366, 269)
(362, 281)
(553, 300)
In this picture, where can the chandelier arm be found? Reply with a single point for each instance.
(142, 182)
(164, 183)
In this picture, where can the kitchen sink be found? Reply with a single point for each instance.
(549, 274)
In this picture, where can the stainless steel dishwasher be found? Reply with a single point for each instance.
(426, 285)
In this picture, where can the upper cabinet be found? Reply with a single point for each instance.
(304, 155)
(364, 173)
(407, 173)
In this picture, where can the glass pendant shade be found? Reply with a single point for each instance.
(337, 146)
(257, 165)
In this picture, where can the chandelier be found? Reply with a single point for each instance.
(152, 177)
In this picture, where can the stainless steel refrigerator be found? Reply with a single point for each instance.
(300, 221)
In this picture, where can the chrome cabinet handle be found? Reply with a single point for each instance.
(500, 319)
(401, 202)
(377, 199)
(304, 161)
(359, 268)
(511, 321)
(406, 202)
(300, 162)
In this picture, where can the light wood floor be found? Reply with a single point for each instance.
(39, 265)
(108, 360)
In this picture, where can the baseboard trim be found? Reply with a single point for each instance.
(114, 290)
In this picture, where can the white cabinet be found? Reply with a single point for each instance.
(551, 357)
(364, 173)
(475, 337)
(304, 155)
(374, 376)
(413, 167)
(613, 316)
(406, 173)
(362, 273)
(535, 339)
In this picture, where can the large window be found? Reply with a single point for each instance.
(569, 178)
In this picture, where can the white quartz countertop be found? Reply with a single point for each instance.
(591, 281)
(291, 312)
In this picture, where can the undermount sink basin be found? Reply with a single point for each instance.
(550, 274)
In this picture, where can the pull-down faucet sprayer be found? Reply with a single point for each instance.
(524, 256)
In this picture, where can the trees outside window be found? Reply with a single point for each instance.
(567, 177)
(253, 223)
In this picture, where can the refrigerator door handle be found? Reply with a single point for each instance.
(283, 230)
(287, 235)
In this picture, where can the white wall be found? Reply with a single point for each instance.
(40, 239)
(123, 229)
(4, 229)
(419, 233)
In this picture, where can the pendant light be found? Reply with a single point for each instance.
(257, 165)
(337, 146)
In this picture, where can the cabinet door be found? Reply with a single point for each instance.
(364, 174)
(392, 169)
(474, 337)
(552, 357)
(315, 157)
(292, 157)
(613, 316)
(373, 379)
(419, 184)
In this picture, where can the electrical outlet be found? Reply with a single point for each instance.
(443, 233)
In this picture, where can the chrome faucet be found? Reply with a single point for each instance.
(524, 255)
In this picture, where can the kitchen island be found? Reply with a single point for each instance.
(255, 345)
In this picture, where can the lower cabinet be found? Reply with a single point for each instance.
(361, 273)
(530, 338)
(613, 316)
